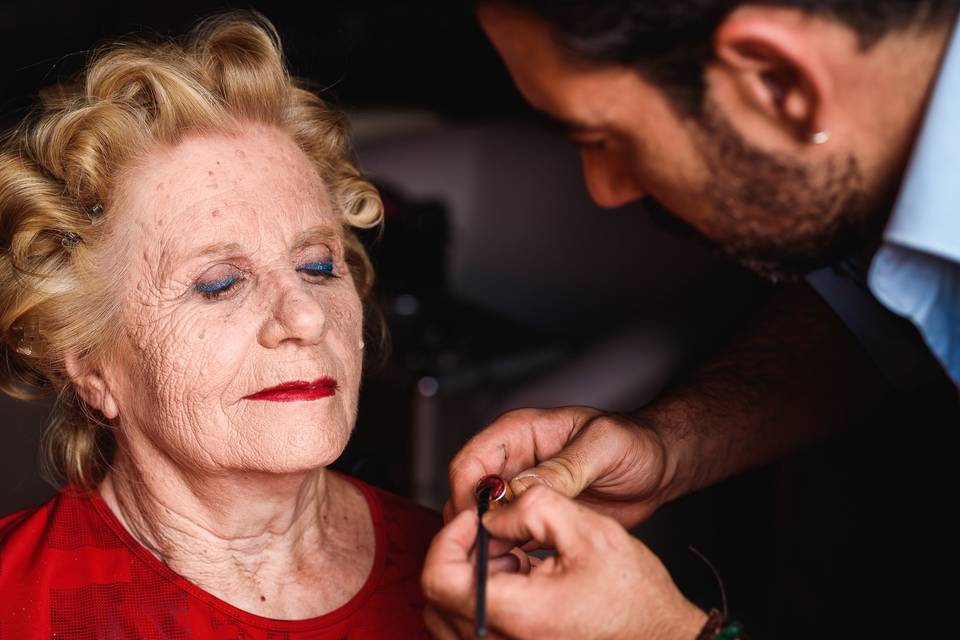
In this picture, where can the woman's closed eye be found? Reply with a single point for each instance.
(216, 288)
(318, 269)
(218, 284)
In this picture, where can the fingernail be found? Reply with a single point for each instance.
(519, 484)
(486, 517)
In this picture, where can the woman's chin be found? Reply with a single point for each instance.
(307, 451)
(283, 446)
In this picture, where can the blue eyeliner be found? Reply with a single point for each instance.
(219, 285)
(317, 267)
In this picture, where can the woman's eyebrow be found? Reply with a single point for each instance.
(322, 233)
(215, 249)
(168, 265)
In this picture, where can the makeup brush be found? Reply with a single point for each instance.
(492, 492)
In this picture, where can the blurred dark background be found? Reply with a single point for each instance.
(502, 285)
(427, 54)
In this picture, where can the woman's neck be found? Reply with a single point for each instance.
(281, 546)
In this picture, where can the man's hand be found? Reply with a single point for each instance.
(602, 583)
(608, 462)
(792, 376)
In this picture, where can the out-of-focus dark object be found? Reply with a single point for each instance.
(366, 53)
(440, 348)
(410, 254)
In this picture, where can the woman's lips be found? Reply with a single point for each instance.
(297, 390)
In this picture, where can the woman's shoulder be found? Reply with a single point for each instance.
(50, 534)
(53, 552)
(26, 526)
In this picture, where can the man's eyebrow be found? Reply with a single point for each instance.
(562, 125)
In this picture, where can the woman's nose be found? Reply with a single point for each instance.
(610, 178)
(295, 316)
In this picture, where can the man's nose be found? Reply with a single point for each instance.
(610, 178)
(295, 316)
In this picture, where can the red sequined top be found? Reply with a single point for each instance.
(69, 570)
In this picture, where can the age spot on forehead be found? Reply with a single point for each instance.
(215, 213)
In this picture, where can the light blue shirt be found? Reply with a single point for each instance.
(916, 272)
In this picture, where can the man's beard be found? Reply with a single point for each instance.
(778, 216)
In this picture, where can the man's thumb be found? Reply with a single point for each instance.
(568, 473)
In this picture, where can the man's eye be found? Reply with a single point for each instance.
(591, 144)
(215, 289)
(324, 269)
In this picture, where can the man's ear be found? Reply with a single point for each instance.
(775, 59)
(91, 385)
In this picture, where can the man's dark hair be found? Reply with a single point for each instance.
(669, 41)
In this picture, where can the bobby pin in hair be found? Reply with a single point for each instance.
(95, 212)
(70, 240)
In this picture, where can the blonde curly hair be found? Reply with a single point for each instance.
(57, 173)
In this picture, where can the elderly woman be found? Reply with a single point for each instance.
(177, 268)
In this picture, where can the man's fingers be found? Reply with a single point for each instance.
(453, 543)
(507, 563)
(514, 561)
(448, 571)
(513, 443)
(594, 450)
(445, 626)
(438, 626)
(547, 517)
(520, 603)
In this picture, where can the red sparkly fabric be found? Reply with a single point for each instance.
(69, 570)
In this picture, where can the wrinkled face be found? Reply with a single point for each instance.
(779, 212)
(237, 284)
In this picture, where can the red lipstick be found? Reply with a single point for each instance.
(297, 390)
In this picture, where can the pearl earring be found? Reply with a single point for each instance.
(820, 137)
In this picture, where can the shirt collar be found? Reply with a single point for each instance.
(926, 216)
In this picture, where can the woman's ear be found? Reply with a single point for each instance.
(91, 385)
(776, 60)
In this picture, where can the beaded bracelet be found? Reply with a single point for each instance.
(717, 628)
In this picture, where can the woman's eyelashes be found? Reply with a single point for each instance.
(217, 287)
(322, 268)
(214, 289)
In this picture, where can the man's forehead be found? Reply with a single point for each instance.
(525, 43)
(576, 95)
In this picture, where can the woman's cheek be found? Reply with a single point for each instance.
(191, 356)
(217, 353)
